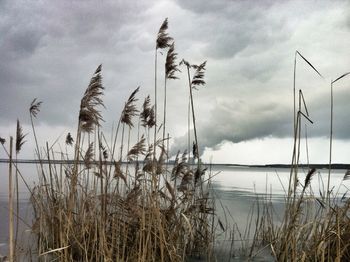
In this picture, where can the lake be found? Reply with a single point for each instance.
(235, 189)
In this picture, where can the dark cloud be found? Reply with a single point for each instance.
(51, 51)
(241, 121)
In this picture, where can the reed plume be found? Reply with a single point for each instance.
(35, 107)
(69, 139)
(196, 81)
(198, 77)
(308, 177)
(138, 149)
(151, 120)
(19, 137)
(89, 155)
(146, 111)
(104, 151)
(170, 70)
(118, 173)
(89, 116)
(2, 140)
(130, 109)
(163, 39)
(170, 63)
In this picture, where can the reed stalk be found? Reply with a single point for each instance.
(11, 210)
(331, 134)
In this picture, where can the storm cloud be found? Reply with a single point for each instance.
(50, 51)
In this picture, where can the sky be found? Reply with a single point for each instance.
(244, 113)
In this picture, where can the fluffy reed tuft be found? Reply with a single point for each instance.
(69, 139)
(151, 122)
(19, 137)
(198, 77)
(163, 39)
(146, 111)
(2, 140)
(89, 116)
(104, 151)
(138, 149)
(130, 109)
(89, 155)
(170, 64)
(308, 177)
(34, 108)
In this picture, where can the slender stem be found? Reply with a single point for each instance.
(37, 148)
(188, 129)
(11, 242)
(155, 105)
(164, 114)
(122, 144)
(294, 95)
(330, 147)
(115, 140)
(17, 204)
(294, 124)
(307, 148)
(193, 116)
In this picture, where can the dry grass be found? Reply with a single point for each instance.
(133, 207)
(131, 211)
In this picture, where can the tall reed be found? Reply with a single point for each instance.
(134, 207)
(162, 42)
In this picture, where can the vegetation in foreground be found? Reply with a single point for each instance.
(138, 208)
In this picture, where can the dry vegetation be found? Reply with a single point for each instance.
(106, 204)
(315, 226)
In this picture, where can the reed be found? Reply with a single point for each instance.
(331, 133)
(19, 143)
(170, 70)
(162, 42)
(193, 83)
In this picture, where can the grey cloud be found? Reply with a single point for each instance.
(51, 51)
(233, 26)
(242, 121)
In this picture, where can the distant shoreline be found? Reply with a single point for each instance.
(317, 166)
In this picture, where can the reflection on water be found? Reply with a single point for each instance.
(236, 190)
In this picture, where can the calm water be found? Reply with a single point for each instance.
(235, 188)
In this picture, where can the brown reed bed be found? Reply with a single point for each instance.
(105, 204)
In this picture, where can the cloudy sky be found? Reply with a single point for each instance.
(49, 50)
